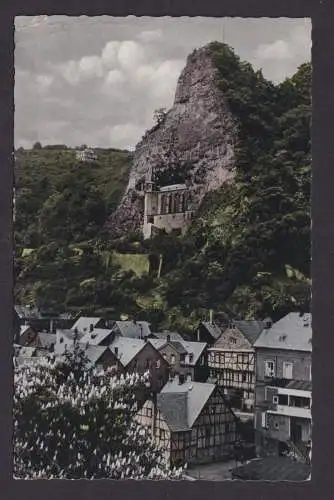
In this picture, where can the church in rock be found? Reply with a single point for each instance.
(166, 208)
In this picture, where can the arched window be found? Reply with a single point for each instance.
(163, 204)
(170, 204)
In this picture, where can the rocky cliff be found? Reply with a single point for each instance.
(197, 136)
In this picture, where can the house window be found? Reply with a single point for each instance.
(276, 426)
(269, 368)
(287, 370)
(264, 419)
(275, 400)
(244, 377)
(172, 359)
(188, 377)
(233, 340)
(157, 364)
(150, 219)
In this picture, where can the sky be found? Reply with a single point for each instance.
(98, 80)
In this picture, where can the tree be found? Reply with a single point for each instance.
(72, 421)
(37, 145)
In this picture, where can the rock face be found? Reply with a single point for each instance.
(197, 132)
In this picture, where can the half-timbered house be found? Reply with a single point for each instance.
(191, 421)
(231, 362)
(185, 358)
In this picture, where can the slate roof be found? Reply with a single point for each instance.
(195, 396)
(251, 329)
(293, 332)
(83, 323)
(134, 330)
(47, 339)
(68, 339)
(127, 348)
(183, 347)
(194, 348)
(94, 353)
(272, 469)
(174, 408)
(214, 330)
(97, 336)
(300, 385)
(165, 334)
(160, 343)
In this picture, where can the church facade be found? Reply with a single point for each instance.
(167, 208)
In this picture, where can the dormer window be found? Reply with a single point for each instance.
(233, 340)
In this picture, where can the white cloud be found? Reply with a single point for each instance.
(130, 55)
(278, 50)
(125, 135)
(91, 66)
(150, 36)
(44, 82)
(110, 54)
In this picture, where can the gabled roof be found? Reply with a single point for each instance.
(127, 348)
(94, 353)
(182, 347)
(174, 409)
(134, 329)
(47, 339)
(95, 337)
(194, 348)
(165, 334)
(293, 332)
(251, 329)
(83, 324)
(214, 330)
(64, 339)
(196, 395)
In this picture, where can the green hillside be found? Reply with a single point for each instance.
(246, 255)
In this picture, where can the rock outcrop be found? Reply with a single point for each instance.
(198, 132)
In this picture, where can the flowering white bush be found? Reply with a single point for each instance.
(74, 422)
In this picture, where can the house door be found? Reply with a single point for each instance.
(296, 433)
(287, 370)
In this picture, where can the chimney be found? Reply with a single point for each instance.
(76, 331)
(116, 351)
(168, 338)
(181, 378)
(211, 317)
(91, 327)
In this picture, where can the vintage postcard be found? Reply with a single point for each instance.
(162, 320)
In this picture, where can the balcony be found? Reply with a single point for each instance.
(291, 411)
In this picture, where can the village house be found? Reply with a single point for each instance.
(283, 394)
(84, 324)
(208, 332)
(98, 337)
(231, 362)
(140, 356)
(167, 334)
(191, 422)
(183, 357)
(132, 329)
(86, 155)
(28, 336)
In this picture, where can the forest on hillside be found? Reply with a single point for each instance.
(247, 254)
